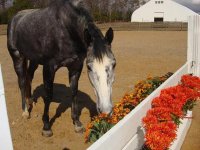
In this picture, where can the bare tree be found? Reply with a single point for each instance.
(3, 4)
(109, 10)
(104, 8)
(134, 4)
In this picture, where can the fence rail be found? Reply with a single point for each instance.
(145, 26)
(5, 136)
(133, 26)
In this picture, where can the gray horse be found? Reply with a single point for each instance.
(61, 35)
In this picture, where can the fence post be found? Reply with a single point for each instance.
(193, 51)
(5, 136)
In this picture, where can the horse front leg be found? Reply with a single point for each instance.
(48, 78)
(75, 113)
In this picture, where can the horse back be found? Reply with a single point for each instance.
(50, 33)
(24, 30)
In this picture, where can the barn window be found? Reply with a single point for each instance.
(159, 2)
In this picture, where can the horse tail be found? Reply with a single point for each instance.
(10, 35)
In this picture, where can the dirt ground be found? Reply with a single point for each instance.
(138, 54)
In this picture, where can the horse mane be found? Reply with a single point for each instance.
(99, 43)
(100, 50)
(81, 8)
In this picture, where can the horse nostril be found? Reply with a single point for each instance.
(110, 114)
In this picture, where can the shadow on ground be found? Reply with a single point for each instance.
(62, 95)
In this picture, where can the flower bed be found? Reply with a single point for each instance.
(163, 120)
(102, 123)
(187, 92)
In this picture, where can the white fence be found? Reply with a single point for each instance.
(128, 133)
(5, 136)
(193, 53)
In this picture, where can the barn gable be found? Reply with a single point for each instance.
(161, 10)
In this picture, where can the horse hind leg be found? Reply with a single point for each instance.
(31, 70)
(30, 74)
(20, 66)
(29, 77)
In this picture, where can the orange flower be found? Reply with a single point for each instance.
(128, 102)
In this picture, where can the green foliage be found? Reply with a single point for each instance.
(156, 82)
(18, 5)
(105, 11)
(188, 106)
(3, 17)
(176, 119)
(99, 129)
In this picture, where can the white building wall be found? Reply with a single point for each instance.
(170, 10)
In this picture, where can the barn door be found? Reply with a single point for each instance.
(158, 16)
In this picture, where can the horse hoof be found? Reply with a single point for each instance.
(79, 129)
(26, 115)
(47, 133)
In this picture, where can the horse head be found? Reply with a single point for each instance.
(100, 65)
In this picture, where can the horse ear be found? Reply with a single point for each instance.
(109, 35)
(87, 37)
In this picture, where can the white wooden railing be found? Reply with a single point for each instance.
(5, 136)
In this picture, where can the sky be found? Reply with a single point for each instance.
(192, 4)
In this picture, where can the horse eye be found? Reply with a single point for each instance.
(107, 69)
(89, 68)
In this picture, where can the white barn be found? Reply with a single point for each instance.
(163, 11)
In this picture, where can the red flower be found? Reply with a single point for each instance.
(159, 136)
(159, 122)
(191, 81)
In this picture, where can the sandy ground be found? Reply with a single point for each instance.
(138, 54)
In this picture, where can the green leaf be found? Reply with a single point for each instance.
(93, 138)
(176, 119)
